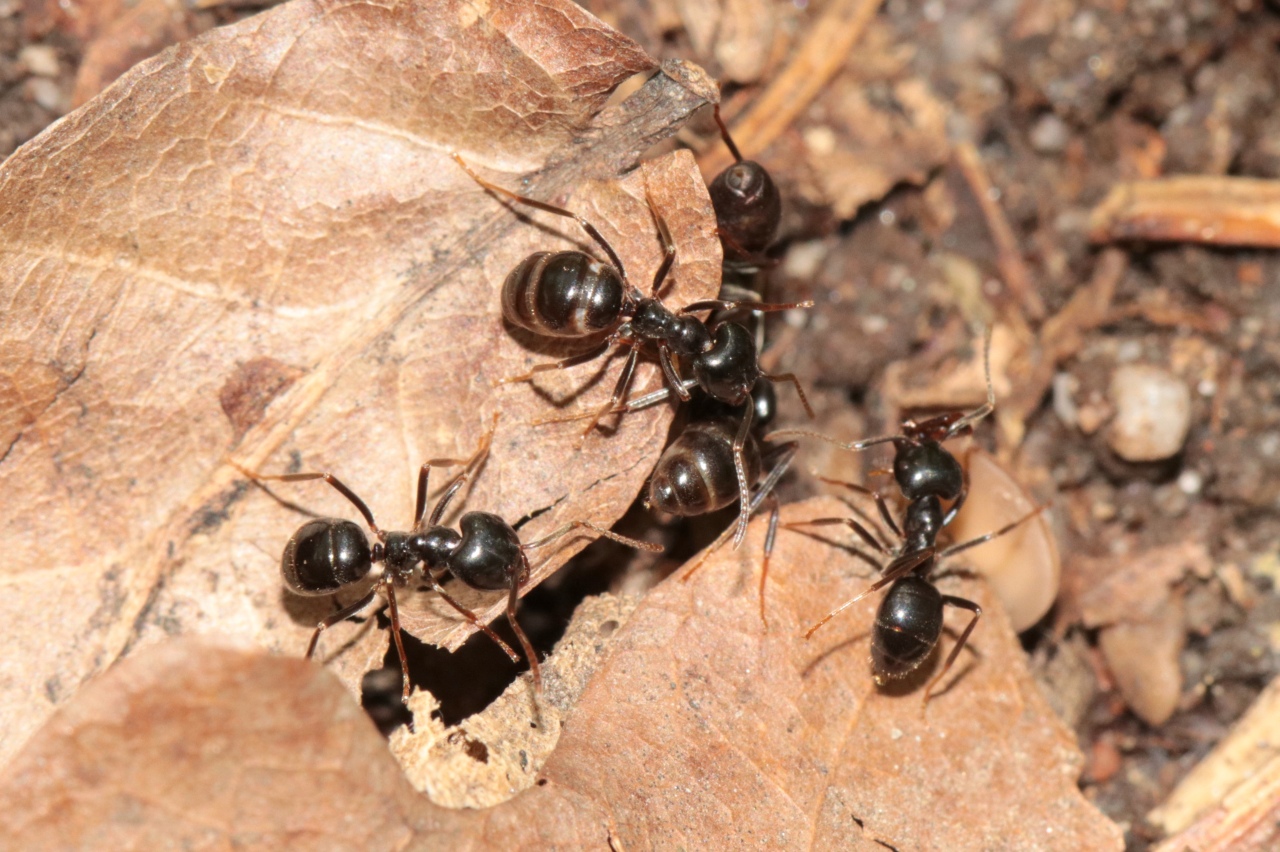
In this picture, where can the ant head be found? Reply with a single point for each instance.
(729, 369)
(487, 555)
(325, 555)
(925, 468)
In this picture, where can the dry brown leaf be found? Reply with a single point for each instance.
(715, 729)
(699, 728)
(133, 32)
(270, 210)
(1022, 565)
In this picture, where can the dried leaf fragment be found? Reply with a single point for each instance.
(279, 192)
(700, 728)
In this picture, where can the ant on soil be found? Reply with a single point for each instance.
(570, 294)
(909, 621)
(327, 555)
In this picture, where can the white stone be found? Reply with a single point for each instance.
(1153, 413)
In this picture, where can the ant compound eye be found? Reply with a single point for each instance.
(325, 555)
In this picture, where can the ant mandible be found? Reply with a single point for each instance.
(570, 294)
(327, 555)
(909, 621)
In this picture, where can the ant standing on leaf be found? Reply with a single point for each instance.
(698, 471)
(909, 621)
(570, 294)
(327, 555)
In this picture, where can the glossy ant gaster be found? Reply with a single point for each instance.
(714, 461)
(327, 555)
(747, 203)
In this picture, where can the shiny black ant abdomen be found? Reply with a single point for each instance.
(717, 460)
(327, 555)
(908, 625)
(696, 473)
(747, 203)
(564, 294)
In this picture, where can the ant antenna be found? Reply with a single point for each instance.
(724, 134)
(968, 421)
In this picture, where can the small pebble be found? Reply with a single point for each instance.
(1050, 135)
(40, 60)
(1064, 403)
(46, 93)
(1153, 413)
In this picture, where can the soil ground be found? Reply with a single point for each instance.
(1061, 102)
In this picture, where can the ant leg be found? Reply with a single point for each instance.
(740, 468)
(724, 134)
(471, 617)
(791, 377)
(333, 481)
(746, 304)
(966, 422)
(609, 534)
(394, 612)
(512, 599)
(668, 247)
(548, 208)
(339, 616)
(619, 392)
(900, 567)
(562, 364)
(861, 531)
(876, 495)
(786, 452)
(669, 371)
(647, 400)
(974, 542)
(770, 536)
(849, 445)
(964, 637)
(477, 458)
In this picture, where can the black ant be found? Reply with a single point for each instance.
(570, 294)
(327, 555)
(747, 203)
(714, 461)
(909, 621)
